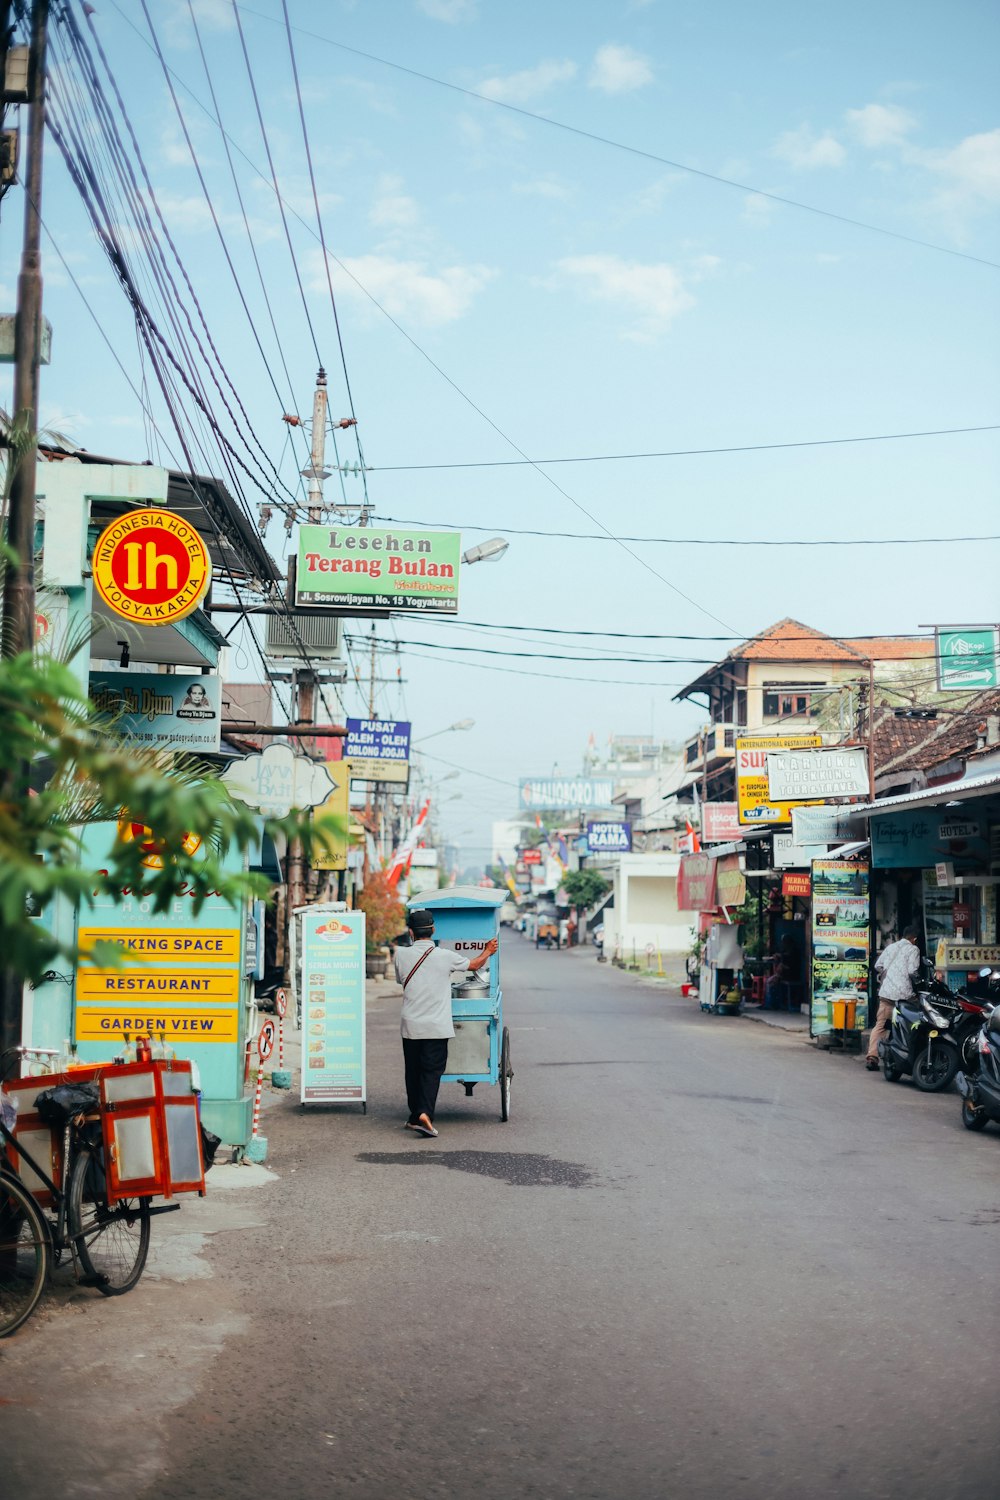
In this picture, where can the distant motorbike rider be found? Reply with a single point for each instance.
(895, 967)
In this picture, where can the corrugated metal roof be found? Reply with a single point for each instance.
(940, 796)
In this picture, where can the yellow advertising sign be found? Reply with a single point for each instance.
(755, 809)
(153, 986)
(210, 1023)
(159, 945)
(151, 566)
(334, 855)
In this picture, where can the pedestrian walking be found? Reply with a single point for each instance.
(895, 967)
(425, 972)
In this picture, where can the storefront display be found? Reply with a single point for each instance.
(840, 937)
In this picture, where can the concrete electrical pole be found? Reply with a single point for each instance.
(304, 712)
(19, 580)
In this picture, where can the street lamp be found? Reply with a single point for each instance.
(460, 724)
(489, 551)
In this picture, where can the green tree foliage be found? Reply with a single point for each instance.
(61, 769)
(584, 887)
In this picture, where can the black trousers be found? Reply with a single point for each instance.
(424, 1059)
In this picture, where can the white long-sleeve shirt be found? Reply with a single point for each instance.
(896, 966)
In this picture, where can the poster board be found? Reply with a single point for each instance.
(329, 966)
(752, 791)
(841, 917)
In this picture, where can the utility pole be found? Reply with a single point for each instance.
(19, 581)
(304, 689)
(18, 623)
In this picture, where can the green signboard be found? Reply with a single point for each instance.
(967, 659)
(359, 568)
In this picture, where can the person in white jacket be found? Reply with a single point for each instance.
(895, 967)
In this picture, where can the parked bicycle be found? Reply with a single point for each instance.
(105, 1235)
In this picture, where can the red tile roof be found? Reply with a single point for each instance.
(890, 647)
(790, 640)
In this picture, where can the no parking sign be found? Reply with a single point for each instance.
(265, 1040)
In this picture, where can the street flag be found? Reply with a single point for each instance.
(400, 861)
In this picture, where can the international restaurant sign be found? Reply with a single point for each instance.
(151, 567)
(378, 749)
(807, 775)
(752, 792)
(360, 568)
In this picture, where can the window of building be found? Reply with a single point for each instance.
(791, 702)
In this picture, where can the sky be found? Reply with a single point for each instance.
(617, 277)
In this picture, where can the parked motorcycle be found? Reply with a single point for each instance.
(979, 1081)
(921, 1042)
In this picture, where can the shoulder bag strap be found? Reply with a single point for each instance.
(426, 954)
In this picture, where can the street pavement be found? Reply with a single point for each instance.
(702, 1261)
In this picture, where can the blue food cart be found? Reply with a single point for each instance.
(466, 917)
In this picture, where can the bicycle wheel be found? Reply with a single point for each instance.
(111, 1241)
(24, 1255)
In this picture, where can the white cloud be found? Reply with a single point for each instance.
(451, 11)
(877, 125)
(803, 150)
(407, 288)
(618, 70)
(393, 209)
(519, 88)
(211, 15)
(544, 187)
(970, 171)
(651, 295)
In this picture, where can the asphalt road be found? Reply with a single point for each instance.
(701, 1262)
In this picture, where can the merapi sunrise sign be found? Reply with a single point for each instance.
(360, 568)
(151, 567)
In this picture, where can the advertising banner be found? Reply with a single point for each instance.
(334, 856)
(696, 883)
(161, 711)
(730, 881)
(378, 749)
(720, 823)
(752, 794)
(566, 794)
(967, 659)
(921, 840)
(808, 775)
(331, 972)
(840, 942)
(828, 825)
(180, 978)
(786, 854)
(609, 838)
(362, 568)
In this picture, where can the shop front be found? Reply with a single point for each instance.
(936, 861)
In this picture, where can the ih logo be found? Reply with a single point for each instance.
(151, 566)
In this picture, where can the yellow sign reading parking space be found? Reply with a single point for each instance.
(159, 945)
(205, 1024)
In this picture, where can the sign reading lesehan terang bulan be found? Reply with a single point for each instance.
(359, 568)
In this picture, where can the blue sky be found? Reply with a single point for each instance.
(589, 300)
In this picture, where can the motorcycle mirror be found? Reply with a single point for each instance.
(986, 973)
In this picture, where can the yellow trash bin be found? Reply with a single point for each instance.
(843, 1014)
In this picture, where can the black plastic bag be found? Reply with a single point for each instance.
(60, 1105)
(209, 1145)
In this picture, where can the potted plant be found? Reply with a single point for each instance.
(384, 918)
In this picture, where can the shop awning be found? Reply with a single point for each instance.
(847, 851)
(933, 796)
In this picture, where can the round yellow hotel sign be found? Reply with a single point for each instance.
(151, 567)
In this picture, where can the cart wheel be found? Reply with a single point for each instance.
(111, 1242)
(506, 1074)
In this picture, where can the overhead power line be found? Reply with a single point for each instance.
(646, 660)
(612, 458)
(705, 541)
(663, 161)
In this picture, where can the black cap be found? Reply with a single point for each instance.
(420, 921)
